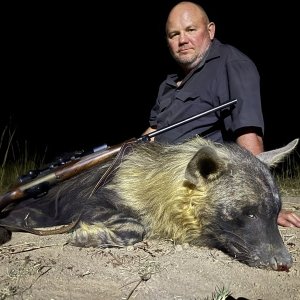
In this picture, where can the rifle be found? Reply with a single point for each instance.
(37, 183)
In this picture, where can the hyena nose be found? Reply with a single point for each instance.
(281, 264)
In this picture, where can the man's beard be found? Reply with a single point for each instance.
(190, 62)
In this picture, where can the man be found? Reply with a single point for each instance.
(211, 73)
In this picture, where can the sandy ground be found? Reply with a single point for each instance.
(46, 267)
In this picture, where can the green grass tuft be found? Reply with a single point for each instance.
(219, 294)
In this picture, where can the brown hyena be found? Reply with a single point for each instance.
(198, 192)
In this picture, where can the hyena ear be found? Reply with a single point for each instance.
(274, 157)
(205, 165)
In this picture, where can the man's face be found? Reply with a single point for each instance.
(188, 34)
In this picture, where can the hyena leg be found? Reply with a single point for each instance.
(5, 235)
(117, 231)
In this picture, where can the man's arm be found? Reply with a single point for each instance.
(252, 142)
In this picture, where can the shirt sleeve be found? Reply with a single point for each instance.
(244, 85)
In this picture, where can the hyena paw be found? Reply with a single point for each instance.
(5, 235)
(98, 235)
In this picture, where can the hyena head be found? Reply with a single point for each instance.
(240, 216)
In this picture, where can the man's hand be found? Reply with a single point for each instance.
(288, 218)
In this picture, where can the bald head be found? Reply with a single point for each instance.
(184, 8)
(189, 33)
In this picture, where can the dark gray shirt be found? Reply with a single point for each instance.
(225, 75)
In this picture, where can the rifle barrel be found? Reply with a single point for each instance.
(159, 131)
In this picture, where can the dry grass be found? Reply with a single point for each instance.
(287, 175)
(15, 159)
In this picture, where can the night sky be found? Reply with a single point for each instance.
(80, 75)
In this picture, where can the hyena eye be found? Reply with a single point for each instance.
(251, 216)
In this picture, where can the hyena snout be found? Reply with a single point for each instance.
(270, 252)
(258, 244)
(271, 257)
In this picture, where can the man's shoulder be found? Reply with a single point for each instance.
(229, 51)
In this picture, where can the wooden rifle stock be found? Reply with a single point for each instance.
(41, 184)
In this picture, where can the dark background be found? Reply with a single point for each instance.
(79, 75)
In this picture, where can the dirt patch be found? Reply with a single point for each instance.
(35, 267)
